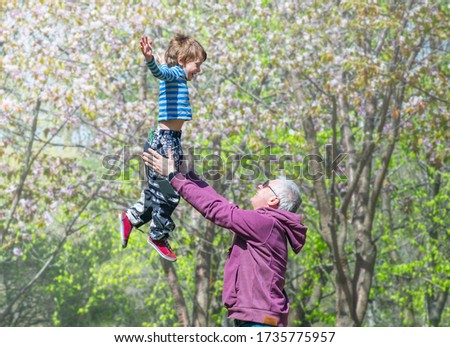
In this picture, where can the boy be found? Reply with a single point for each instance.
(183, 59)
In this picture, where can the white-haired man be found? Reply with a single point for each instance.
(254, 274)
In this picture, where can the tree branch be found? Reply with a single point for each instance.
(26, 170)
(68, 231)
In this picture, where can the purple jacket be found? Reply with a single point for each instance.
(254, 274)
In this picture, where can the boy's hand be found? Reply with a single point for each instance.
(147, 48)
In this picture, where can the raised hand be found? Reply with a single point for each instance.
(147, 48)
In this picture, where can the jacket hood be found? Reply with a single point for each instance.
(292, 225)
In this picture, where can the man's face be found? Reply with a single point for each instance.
(265, 197)
(192, 68)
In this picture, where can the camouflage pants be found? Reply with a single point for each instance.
(159, 200)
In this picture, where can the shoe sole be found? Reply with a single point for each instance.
(122, 234)
(160, 253)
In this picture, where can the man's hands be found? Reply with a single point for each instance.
(163, 166)
(147, 48)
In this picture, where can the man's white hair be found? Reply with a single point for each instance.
(289, 195)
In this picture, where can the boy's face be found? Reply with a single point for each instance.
(191, 68)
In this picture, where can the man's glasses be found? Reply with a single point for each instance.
(266, 185)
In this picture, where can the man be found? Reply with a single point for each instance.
(254, 274)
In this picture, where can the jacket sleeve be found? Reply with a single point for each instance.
(165, 73)
(214, 207)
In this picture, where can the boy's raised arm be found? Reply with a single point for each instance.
(160, 72)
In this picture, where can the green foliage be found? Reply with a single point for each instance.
(414, 239)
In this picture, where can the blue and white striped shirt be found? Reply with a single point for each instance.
(174, 101)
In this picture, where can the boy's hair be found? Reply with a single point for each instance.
(185, 48)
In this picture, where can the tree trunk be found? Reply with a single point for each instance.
(180, 304)
(205, 249)
(435, 307)
(436, 298)
(202, 294)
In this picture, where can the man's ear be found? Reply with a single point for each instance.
(274, 202)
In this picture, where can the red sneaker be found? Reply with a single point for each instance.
(163, 248)
(125, 228)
